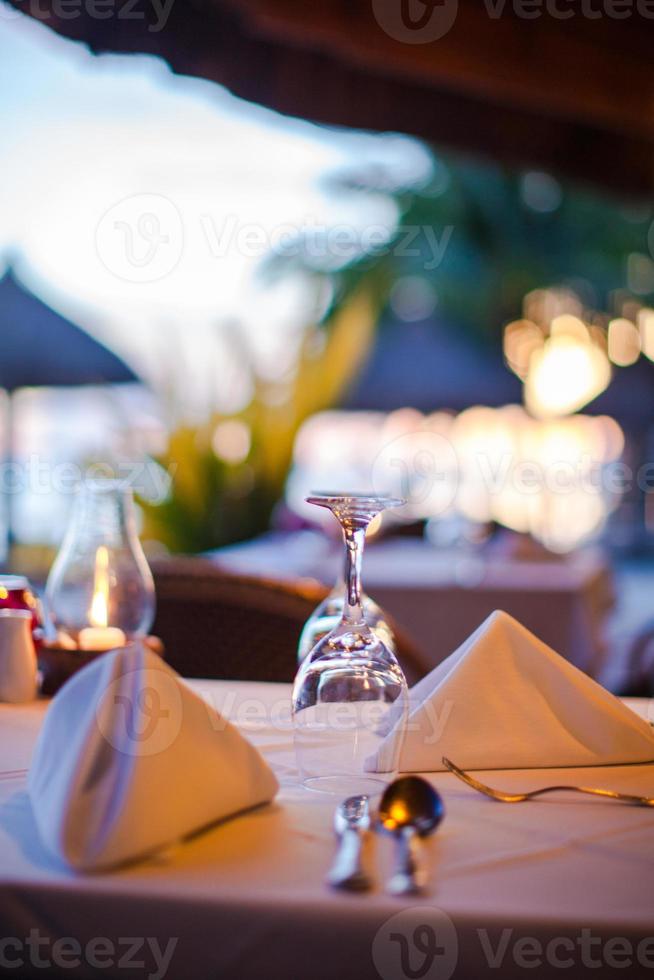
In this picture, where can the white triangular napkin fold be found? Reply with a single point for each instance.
(505, 700)
(129, 760)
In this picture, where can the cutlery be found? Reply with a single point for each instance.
(351, 822)
(410, 808)
(496, 794)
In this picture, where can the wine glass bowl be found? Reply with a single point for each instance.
(350, 683)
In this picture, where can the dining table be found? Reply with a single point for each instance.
(560, 886)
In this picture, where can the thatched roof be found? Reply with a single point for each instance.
(571, 92)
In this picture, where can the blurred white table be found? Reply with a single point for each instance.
(440, 597)
(565, 880)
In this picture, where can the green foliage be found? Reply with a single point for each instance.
(213, 502)
(501, 248)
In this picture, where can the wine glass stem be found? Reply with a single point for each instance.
(354, 541)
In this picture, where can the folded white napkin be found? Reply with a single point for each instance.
(505, 700)
(129, 760)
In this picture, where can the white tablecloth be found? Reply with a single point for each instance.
(566, 880)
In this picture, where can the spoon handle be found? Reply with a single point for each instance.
(408, 877)
(346, 871)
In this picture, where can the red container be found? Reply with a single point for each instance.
(16, 593)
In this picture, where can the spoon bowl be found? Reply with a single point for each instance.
(410, 808)
(411, 801)
(352, 812)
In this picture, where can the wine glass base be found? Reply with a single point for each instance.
(345, 785)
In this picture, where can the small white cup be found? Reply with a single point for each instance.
(17, 656)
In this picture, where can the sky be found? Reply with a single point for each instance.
(141, 205)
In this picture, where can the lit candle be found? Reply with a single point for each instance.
(99, 636)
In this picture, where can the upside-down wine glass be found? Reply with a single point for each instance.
(350, 690)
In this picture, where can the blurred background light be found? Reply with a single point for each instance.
(565, 375)
(623, 342)
(542, 477)
(541, 192)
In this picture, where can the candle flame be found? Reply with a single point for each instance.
(99, 611)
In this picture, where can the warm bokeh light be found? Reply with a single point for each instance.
(231, 441)
(521, 339)
(541, 477)
(565, 375)
(544, 305)
(561, 352)
(623, 342)
(646, 329)
(567, 325)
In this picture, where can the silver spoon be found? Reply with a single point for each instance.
(410, 808)
(351, 822)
